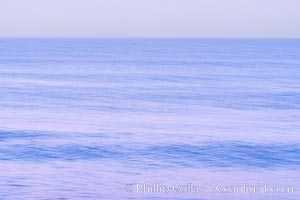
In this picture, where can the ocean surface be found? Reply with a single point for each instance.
(111, 118)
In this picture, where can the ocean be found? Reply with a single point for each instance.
(149, 119)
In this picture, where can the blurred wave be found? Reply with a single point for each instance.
(213, 154)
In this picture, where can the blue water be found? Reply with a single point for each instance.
(83, 118)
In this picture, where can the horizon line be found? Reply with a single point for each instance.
(106, 37)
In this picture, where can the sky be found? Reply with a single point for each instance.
(150, 18)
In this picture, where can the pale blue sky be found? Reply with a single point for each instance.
(150, 18)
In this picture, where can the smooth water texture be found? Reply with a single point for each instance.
(92, 118)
